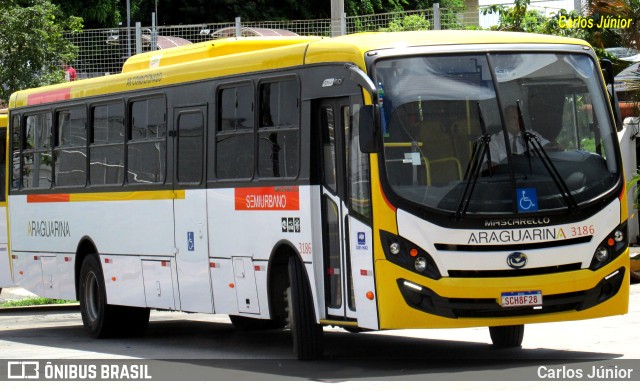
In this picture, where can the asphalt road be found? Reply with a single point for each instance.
(210, 348)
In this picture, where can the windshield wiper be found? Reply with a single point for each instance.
(472, 173)
(534, 141)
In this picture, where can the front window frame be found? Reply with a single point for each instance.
(444, 217)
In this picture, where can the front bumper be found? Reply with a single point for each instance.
(472, 302)
(428, 301)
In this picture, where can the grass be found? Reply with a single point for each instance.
(33, 301)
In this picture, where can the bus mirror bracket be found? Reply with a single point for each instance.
(368, 115)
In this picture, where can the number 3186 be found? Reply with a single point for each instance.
(583, 230)
(304, 248)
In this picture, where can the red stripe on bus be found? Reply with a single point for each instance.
(33, 198)
(49, 96)
(384, 197)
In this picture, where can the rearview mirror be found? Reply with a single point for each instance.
(609, 79)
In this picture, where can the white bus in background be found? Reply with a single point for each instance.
(629, 151)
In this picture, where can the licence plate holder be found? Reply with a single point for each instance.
(521, 299)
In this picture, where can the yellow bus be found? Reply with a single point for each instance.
(373, 181)
(5, 272)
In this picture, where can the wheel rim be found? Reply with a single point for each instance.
(91, 296)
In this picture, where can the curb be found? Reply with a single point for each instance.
(72, 307)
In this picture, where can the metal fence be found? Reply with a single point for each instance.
(103, 51)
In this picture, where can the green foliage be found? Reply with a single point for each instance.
(428, 4)
(368, 7)
(95, 13)
(622, 9)
(632, 186)
(553, 25)
(517, 17)
(31, 301)
(409, 23)
(32, 46)
(181, 12)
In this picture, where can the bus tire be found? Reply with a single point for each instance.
(99, 318)
(252, 324)
(306, 332)
(507, 336)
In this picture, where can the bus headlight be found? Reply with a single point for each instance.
(602, 254)
(611, 247)
(618, 236)
(394, 248)
(406, 254)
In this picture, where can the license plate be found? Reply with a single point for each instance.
(521, 299)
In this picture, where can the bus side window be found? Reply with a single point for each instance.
(36, 155)
(15, 152)
(147, 146)
(106, 145)
(234, 137)
(70, 148)
(279, 128)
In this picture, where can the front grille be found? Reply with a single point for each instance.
(537, 271)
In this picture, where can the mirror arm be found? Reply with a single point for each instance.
(363, 80)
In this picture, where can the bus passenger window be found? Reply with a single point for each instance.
(234, 138)
(36, 155)
(147, 146)
(106, 164)
(278, 135)
(70, 150)
(15, 152)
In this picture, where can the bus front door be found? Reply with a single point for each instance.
(334, 123)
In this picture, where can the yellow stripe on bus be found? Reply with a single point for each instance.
(106, 196)
(129, 196)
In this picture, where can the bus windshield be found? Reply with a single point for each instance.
(496, 133)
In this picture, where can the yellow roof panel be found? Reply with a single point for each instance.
(358, 44)
(209, 49)
(236, 56)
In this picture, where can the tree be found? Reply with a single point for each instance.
(409, 23)
(517, 17)
(181, 12)
(32, 46)
(94, 13)
(616, 9)
(368, 7)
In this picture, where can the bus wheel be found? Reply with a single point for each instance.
(98, 317)
(307, 334)
(507, 336)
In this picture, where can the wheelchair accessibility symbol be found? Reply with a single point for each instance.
(191, 242)
(527, 199)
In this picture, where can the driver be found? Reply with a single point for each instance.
(518, 145)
